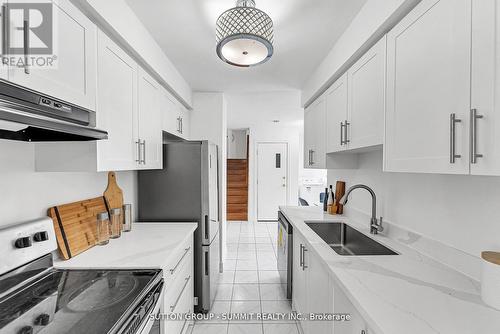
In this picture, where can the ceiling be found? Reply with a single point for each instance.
(305, 30)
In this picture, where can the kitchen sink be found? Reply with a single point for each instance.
(348, 241)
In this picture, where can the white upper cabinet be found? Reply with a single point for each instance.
(116, 107)
(149, 122)
(428, 83)
(336, 115)
(315, 134)
(74, 77)
(175, 118)
(366, 106)
(486, 87)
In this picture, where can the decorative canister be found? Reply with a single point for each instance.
(490, 279)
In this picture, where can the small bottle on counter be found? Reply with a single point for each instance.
(331, 199)
(116, 223)
(325, 200)
(102, 228)
(127, 217)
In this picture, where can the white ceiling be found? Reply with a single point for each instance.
(305, 30)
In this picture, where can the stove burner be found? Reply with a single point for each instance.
(101, 293)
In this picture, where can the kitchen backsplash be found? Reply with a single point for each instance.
(460, 211)
(26, 194)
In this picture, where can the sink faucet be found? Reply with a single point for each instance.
(375, 224)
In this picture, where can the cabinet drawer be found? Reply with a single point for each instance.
(179, 300)
(183, 256)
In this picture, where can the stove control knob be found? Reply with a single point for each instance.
(23, 242)
(42, 320)
(41, 236)
(26, 330)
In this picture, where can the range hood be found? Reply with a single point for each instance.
(29, 116)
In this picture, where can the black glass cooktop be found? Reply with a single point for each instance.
(74, 301)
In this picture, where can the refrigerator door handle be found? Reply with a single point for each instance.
(207, 269)
(207, 227)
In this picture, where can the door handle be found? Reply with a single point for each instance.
(206, 227)
(143, 151)
(453, 121)
(304, 250)
(301, 257)
(473, 136)
(138, 143)
(312, 157)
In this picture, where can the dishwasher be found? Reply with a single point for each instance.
(285, 253)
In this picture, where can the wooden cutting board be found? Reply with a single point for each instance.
(113, 193)
(75, 225)
(339, 193)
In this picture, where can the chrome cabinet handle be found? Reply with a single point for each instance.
(346, 135)
(172, 307)
(26, 41)
(5, 28)
(182, 125)
(301, 257)
(172, 271)
(138, 143)
(312, 157)
(304, 250)
(341, 133)
(453, 121)
(473, 136)
(143, 144)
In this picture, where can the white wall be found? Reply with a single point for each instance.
(209, 122)
(256, 111)
(374, 19)
(459, 211)
(26, 194)
(236, 144)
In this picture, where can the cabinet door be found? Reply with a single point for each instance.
(116, 107)
(366, 80)
(149, 121)
(299, 274)
(428, 79)
(74, 77)
(169, 112)
(342, 305)
(308, 136)
(320, 295)
(486, 85)
(185, 118)
(336, 115)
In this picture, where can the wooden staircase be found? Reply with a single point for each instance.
(237, 189)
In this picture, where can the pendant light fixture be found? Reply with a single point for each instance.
(244, 35)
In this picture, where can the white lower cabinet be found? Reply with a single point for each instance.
(312, 291)
(179, 290)
(342, 305)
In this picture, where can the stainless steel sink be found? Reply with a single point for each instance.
(347, 241)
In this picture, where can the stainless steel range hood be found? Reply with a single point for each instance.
(29, 116)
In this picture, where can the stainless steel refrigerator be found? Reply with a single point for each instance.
(186, 189)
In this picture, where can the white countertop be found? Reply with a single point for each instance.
(148, 245)
(401, 294)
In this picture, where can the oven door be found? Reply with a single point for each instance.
(154, 325)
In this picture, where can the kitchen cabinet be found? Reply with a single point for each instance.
(312, 291)
(175, 116)
(73, 77)
(485, 87)
(117, 107)
(428, 89)
(149, 125)
(356, 324)
(336, 115)
(128, 108)
(315, 134)
(366, 107)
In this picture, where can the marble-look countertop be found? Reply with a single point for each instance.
(403, 294)
(148, 245)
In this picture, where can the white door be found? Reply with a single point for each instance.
(75, 41)
(366, 80)
(272, 165)
(336, 115)
(486, 85)
(428, 80)
(149, 121)
(116, 107)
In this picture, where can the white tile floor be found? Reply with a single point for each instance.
(250, 283)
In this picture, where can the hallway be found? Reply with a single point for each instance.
(250, 283)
